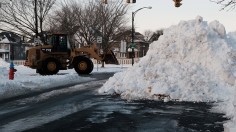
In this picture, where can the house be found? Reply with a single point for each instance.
(4, 49)
(11, 47)
(123, 40)
(156, 35)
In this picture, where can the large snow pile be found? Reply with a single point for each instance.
(192, 61)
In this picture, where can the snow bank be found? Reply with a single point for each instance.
(3, 63)
(191, 61)
(21, 70)
(27, 81)
(3, 69)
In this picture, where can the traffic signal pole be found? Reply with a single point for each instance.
(127, 1)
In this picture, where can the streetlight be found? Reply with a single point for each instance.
(143, 50)
(132, 37)
(36, 19)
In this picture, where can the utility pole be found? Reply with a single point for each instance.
(36, 19)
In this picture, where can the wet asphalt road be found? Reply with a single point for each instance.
(80, 108)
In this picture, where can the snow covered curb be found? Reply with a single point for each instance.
(27, 81)
(12, 88)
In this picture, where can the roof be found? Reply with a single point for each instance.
(137, 36)
(11, 37)
(4, 40)
(3, 50)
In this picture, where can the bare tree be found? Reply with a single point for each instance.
(65, 20)
(147, 35)
(155, 36)
(75, 20)
(44, 8)
(98, 19)
(89, 22)
(22, 15)
(230, 4)
(111, 20)
(92, 19)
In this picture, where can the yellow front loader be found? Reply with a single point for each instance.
(57, 54)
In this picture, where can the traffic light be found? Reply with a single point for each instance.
(128, 1)
(177, 3)
(104, 1)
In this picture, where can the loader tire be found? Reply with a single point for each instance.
(83, 65)
(40, 71)
(50, 66)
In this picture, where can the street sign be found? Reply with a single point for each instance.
(132, 45)
(99, 39)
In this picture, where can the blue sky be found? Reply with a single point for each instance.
(163, 14)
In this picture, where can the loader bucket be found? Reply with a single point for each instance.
(110, 58)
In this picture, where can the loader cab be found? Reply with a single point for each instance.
(59, 42)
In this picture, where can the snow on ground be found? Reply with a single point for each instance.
(193, 61)
(26, 80)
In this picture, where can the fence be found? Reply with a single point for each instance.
(121, 61)
(19, 62)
